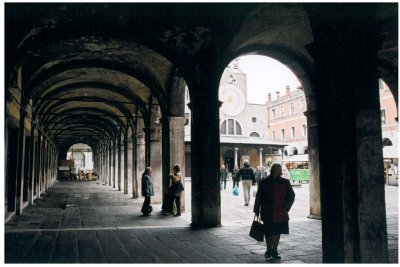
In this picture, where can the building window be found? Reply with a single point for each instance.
(383, 116)
(304, 127)
(386, 142)
(254, 119)
(303, 105)
(292, 108)
(282, 111)
(238, 128)
(273, 135)
(230, 127)
(273, 113)
(223, 128)
(282, 134)
(254, 134)
(293, 132)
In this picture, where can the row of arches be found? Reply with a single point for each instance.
(108, 81)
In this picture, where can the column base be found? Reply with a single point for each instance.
(197, 226)
(314, 217)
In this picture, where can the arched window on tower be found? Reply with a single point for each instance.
(222, 130)
(238, 128)
(254, 134)
(386, 142)
(230, 127)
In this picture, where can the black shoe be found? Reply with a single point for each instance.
(268, 255)
(178, 214)
(276, 255)
(146, 214)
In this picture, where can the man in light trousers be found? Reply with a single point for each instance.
(248, 179)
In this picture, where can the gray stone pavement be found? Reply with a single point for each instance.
(86, 222)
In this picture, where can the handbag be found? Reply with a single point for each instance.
(236, 191)
(257, 229)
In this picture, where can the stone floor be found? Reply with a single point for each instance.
(86, 222)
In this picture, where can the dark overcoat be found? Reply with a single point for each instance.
(274, 199)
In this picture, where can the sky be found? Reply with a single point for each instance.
(266, 75)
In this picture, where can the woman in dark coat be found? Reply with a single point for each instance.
(147, 191)
(176, 178)
(275, 197)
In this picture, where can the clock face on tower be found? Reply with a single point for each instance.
(232, 98)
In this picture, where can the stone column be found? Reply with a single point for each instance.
(140, 159)
(313, 158)
(32, 169)
(119, 163)
(261, 157)
(177, 148)
(106, 164)
(20, 162)
(205, 153)
(114, 166)
(155, 154)
(129, 163)
(126, 166)
(349, 130)
(122, 166)
(45, 162)
(42, 165)
(134, 167)
(110, 163)
(236, 156)
(37, 165)
(103, 164)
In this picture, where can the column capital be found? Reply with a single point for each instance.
(236, 148)
(154, 132)
(310, 113)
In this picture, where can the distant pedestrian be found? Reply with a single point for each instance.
(257, 174)
(223, 175)
(147, 191)
(248, 179)
(274, 198)
(263, 175)
(235, 178)
(176, 188)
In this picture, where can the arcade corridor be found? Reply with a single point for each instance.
(113, 76)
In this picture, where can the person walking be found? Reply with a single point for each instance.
(274, 198)
(257, 174)
(147, 191)
(263, 175)
(223, 175)
(176, 188)
(235, 178)
(248, 179)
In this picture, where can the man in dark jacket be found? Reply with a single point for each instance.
(248, 179)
